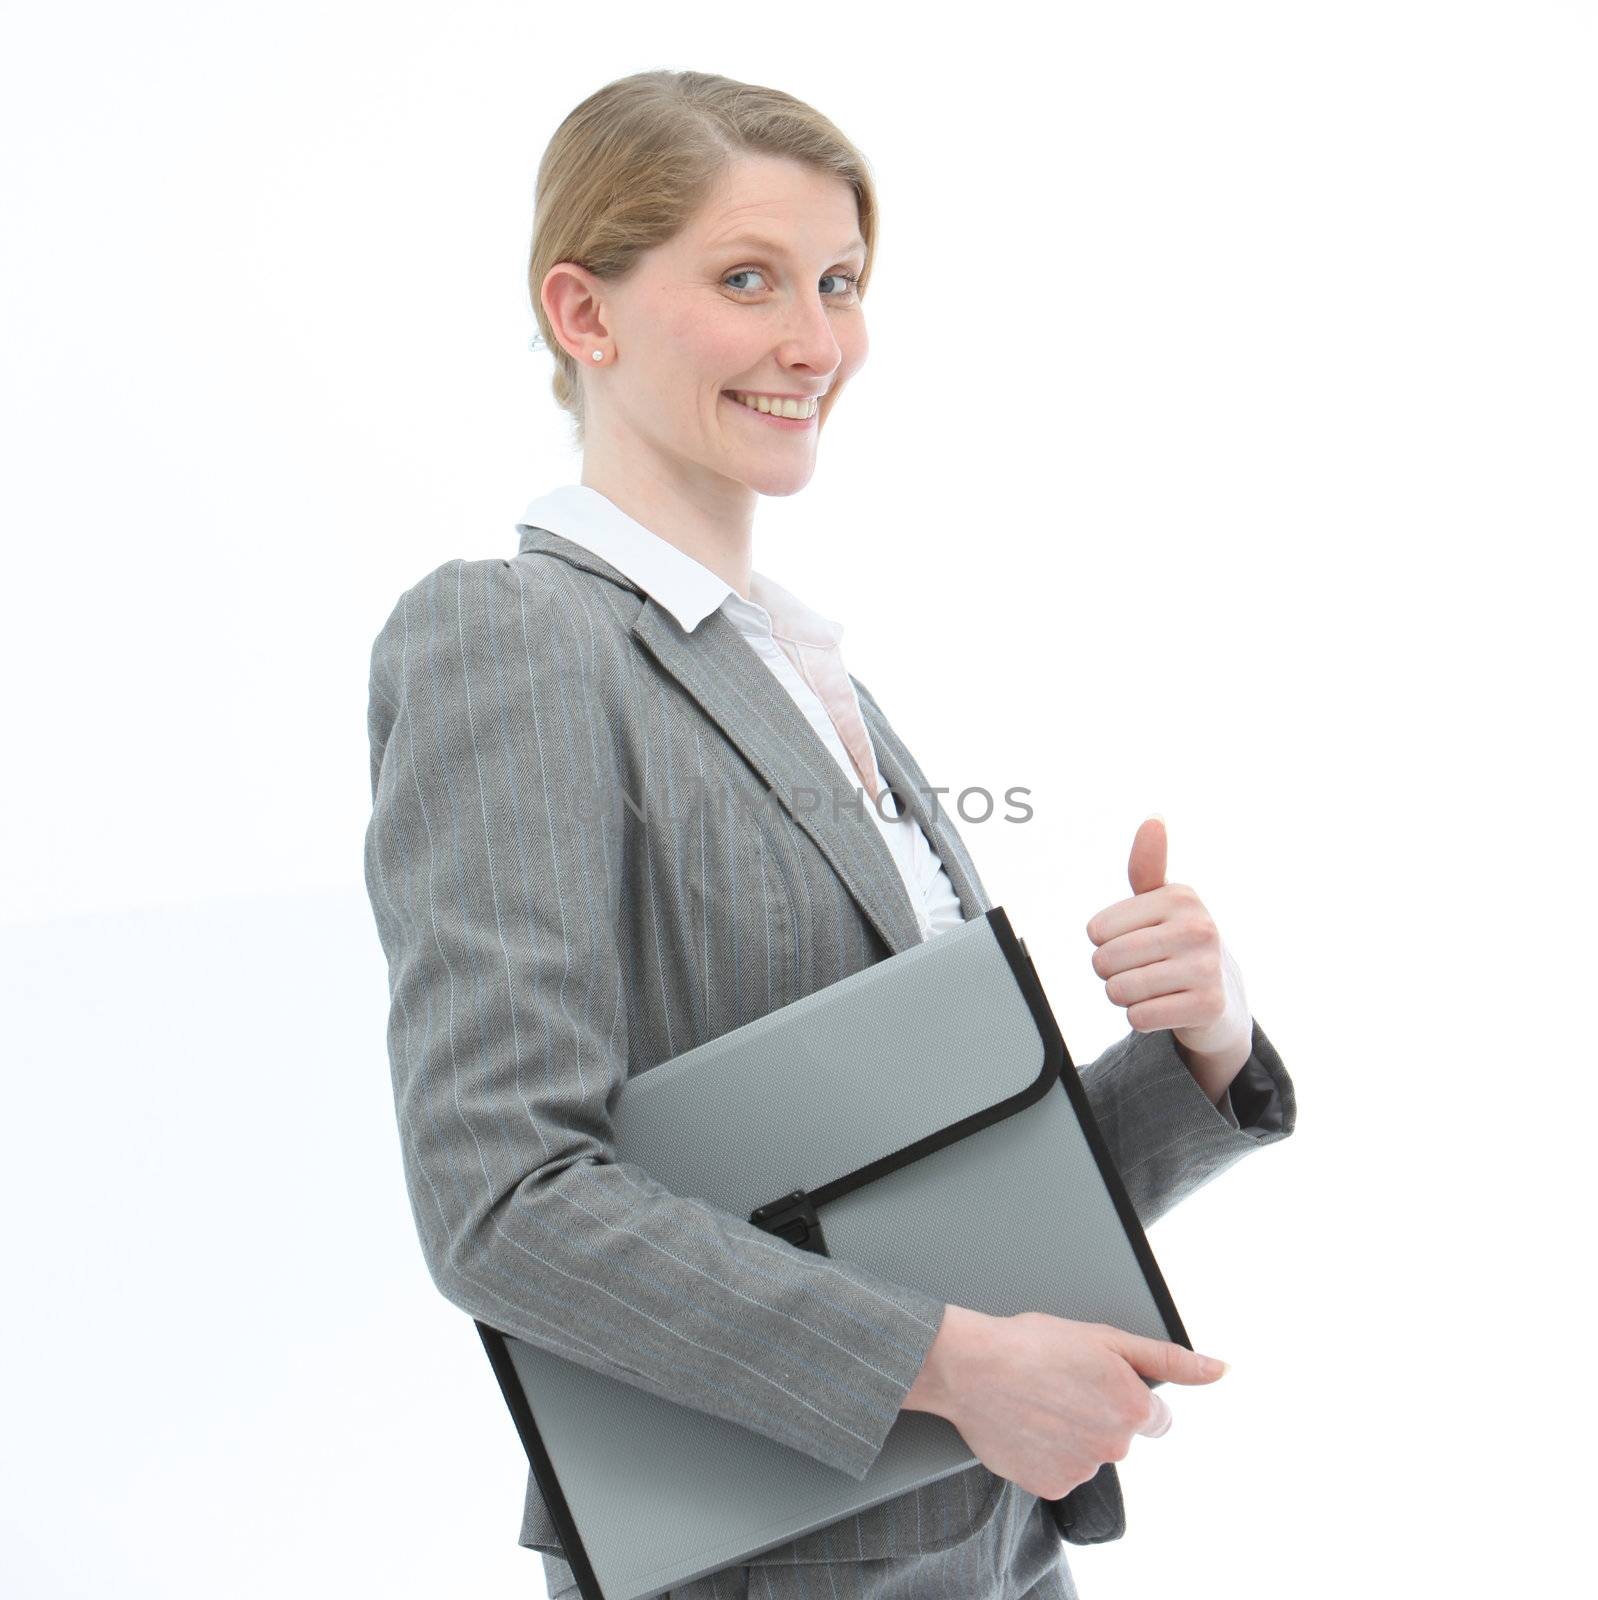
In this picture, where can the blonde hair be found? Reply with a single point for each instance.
(633, 163)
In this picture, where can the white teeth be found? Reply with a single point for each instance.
(779, 408)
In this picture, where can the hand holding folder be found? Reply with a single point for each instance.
(1045, 1401)
(920, 1118)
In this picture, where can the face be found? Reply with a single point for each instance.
(756, 296)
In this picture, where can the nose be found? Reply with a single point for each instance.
(808, 341)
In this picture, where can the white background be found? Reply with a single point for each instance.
(1232, 383)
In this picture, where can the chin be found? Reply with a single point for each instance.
(778, 481)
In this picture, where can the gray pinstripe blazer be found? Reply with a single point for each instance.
(597, 841)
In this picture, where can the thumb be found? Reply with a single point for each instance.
(1146, 867)
(1164, 1361)
(1160, 1418)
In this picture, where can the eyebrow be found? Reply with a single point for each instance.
(761, 243)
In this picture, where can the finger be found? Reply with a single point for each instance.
(1145, 868)
(1189, 1009)
(1141, 947)
(1161, 1359)
(1141, 911)
(1159, 1418)
(1158, 981)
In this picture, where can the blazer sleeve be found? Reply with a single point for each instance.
(1166, 1135)
(494, 867)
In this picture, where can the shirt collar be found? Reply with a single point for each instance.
(685, 587)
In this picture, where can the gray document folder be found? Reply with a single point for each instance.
(920, 1117)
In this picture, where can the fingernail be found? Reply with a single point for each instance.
(1213, 1368)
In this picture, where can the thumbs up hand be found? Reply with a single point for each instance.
(1162, 958)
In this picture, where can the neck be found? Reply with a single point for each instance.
(710, 519)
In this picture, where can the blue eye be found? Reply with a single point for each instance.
(848, 279)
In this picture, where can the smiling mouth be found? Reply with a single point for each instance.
(778, 420)
(796, 410)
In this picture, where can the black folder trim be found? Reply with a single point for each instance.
(1055, 1059)
(1057, 1068)
(571, 1541)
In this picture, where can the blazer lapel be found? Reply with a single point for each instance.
(734, 688)
(572, 553)
(739, 692)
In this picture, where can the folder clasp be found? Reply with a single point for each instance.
(792, 1218)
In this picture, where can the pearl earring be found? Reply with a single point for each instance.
(599, 355)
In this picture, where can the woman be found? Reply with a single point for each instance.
(595, 843)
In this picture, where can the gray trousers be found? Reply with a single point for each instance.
(1017, 1554)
